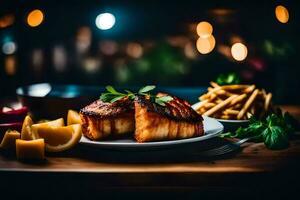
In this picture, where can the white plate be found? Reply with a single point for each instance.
(212, 128)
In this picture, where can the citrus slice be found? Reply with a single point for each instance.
(30, 149)
(54, 123)
(26, 132)
(73, 117)
(59, 138)
(9, 139)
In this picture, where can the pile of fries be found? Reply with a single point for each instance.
(237, 102)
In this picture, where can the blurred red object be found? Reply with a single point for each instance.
(11, 119)
(258, 64)
(14, 115)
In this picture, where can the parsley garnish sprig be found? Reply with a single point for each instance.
(275, 130)
(112, 95)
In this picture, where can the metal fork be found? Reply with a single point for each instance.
(227, 148)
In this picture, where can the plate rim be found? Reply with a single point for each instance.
(122, 145)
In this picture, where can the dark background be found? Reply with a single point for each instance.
(166, 33)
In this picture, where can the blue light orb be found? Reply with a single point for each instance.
(105, 21)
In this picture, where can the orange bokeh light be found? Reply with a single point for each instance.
(282, 14)
(206, 45)
(35, 18)
(204, 29)
(239, 51)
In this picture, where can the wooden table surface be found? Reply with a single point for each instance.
(253, 166)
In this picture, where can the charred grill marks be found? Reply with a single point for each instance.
(177, 109)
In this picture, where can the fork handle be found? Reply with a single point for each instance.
(242, 141)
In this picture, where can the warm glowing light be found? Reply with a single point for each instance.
(190, 50)
(204, 29)
(282, 14)
(108, 47)
(236, 39)
(10, 65)
(225, 50)
(7, 20)
(206, 45)
(37, 60)
(239, 51)
(35, 18)
(105, 21)
(134, 50)
(91, 64)
(9, 47)
(83, 39)
(59, 58)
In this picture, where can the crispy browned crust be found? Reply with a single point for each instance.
(177, 109)
(96, 128)
(150, 121)
(154, 126)
(104, 110)
(101, 119)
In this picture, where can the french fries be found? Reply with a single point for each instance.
(234, 102)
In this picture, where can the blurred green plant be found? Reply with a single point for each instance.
(227, 79)
(163, 64)
(277, 50)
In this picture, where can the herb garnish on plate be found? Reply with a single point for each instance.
(274, 130)
(112, 95)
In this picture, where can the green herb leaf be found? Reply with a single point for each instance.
(275, 138)
(274, 131)
(107, 97)
(146, 89)
(160, 102)
(113, 95)
(112, 90)
(116, 99)
(165, 98)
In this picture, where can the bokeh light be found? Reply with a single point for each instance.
(9, 48)
(83, 39)
(35, 18)
(7, 20)
(59, 58)
(235, 39)
(105, 21)
(190, 50)
(204, 29)
(108, 47)
(10, 65)
(134, 50)
(37, 59)
(239, 51)
(91, 64)
(224, 50)
(282, 14)
(206, 45)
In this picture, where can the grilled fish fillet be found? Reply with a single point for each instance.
(175, 120)
(100, 119)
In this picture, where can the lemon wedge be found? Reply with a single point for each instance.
(54, 123)
(73, 117)
(26, 132)
(58, 139)
(9, 139)
(30, 149)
